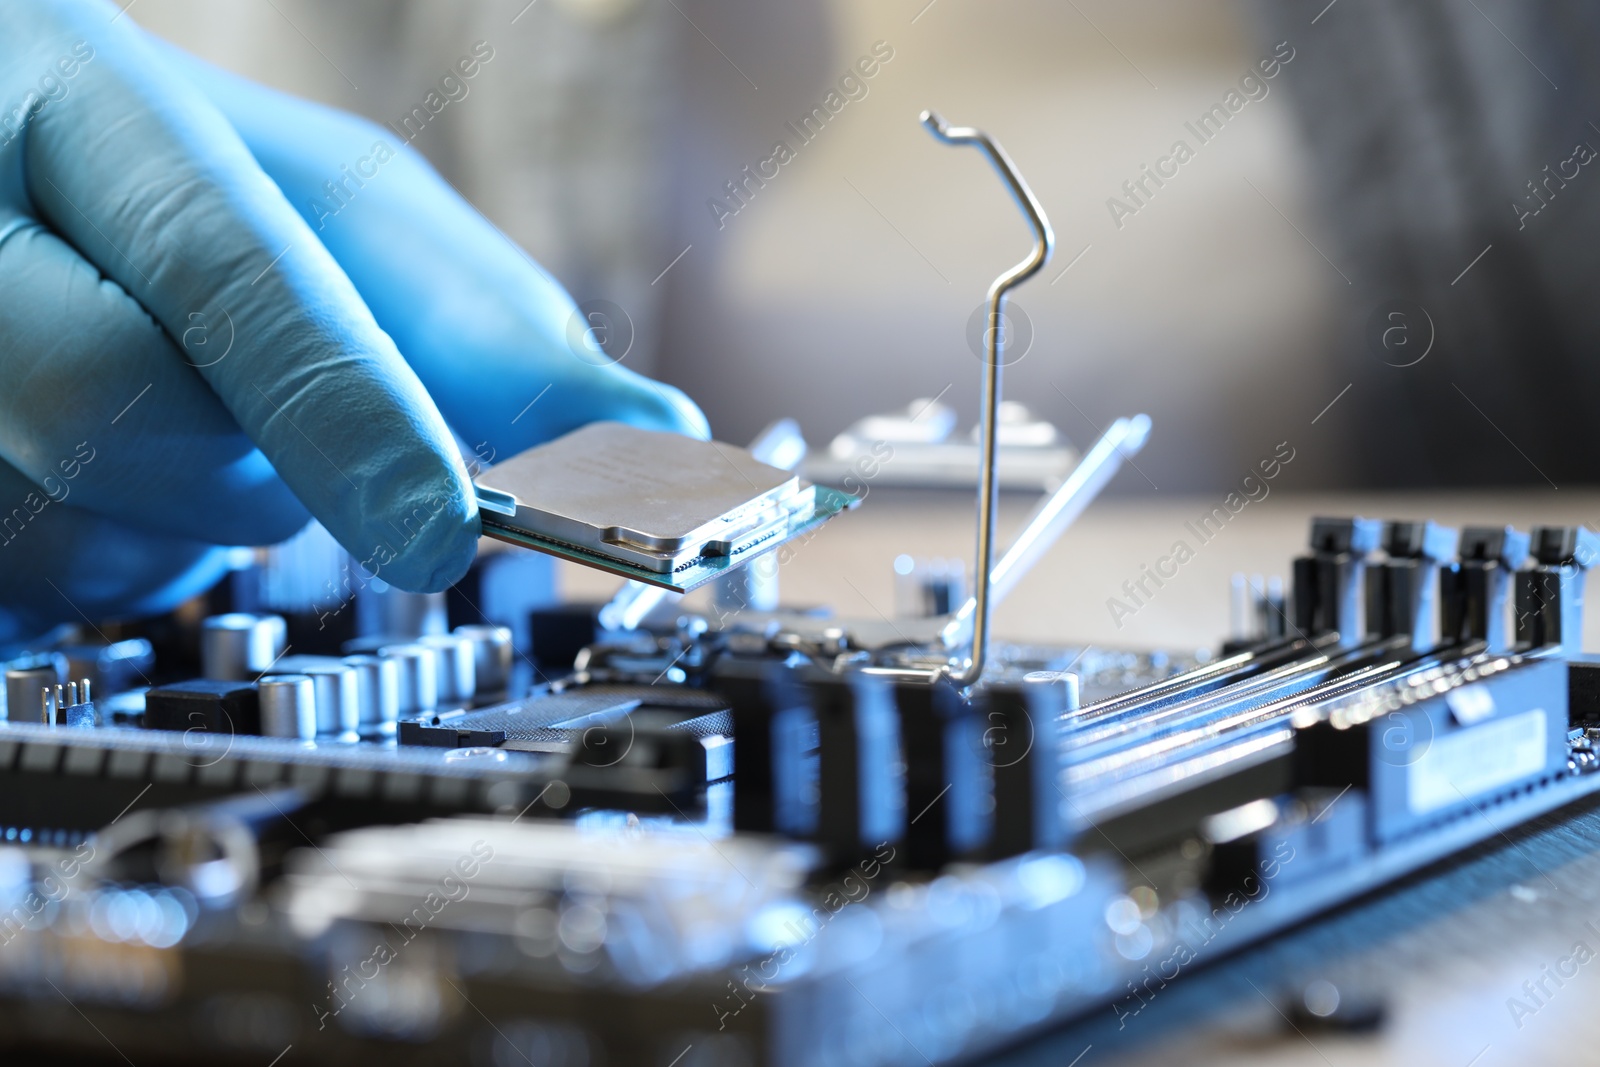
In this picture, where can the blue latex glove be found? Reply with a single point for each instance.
(187, 360)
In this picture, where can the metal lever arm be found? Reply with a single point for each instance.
(1043, 244)
(1053, 514)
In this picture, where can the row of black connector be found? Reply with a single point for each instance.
(1407, 623)
(860, 758)
(1476, 573)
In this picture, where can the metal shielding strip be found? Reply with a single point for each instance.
(829, 502)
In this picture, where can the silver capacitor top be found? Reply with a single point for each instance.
(237, 647)
(288, 706)
(1065, 681)
(377, 691)
(24, 689)
(337, 686)
(458, 670)
(418, 668)
(492, 655)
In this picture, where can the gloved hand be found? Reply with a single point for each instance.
(192, 355)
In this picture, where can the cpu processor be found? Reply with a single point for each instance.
(660, 508)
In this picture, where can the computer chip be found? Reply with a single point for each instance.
(656, 507)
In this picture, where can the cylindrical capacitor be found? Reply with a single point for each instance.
(384, 611)
(458, 673)
(237, 647)
(288, 706)
(419, 677)
(338, 696)
(492, 652)
(378, 692)
(25, 688)
(1066, 683)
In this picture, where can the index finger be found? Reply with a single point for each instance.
(153, 185)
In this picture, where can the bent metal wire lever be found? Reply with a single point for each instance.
(1044, 240)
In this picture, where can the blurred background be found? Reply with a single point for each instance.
(1382, 261)
(1389, 154)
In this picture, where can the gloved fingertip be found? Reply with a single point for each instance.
(423, 542)
(454, 563)
(437, 559)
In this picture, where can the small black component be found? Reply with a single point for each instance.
(443, 731)
(632, 745)
(1573, 545)
(860, 776)
(1505, 545)
(1328, 583)
(1549, 608)
(1317, 830)
(1355, 536)
(617, 763)
(1022, 740)
(1583, 689)
(1324, 1006)
(1400, 589)
(1420, 540)
(776, 737)
(208, 704)
(559, 632)
(949, 777)
(1474, 592)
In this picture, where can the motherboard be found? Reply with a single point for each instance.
(744, 836)
(308, 818)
